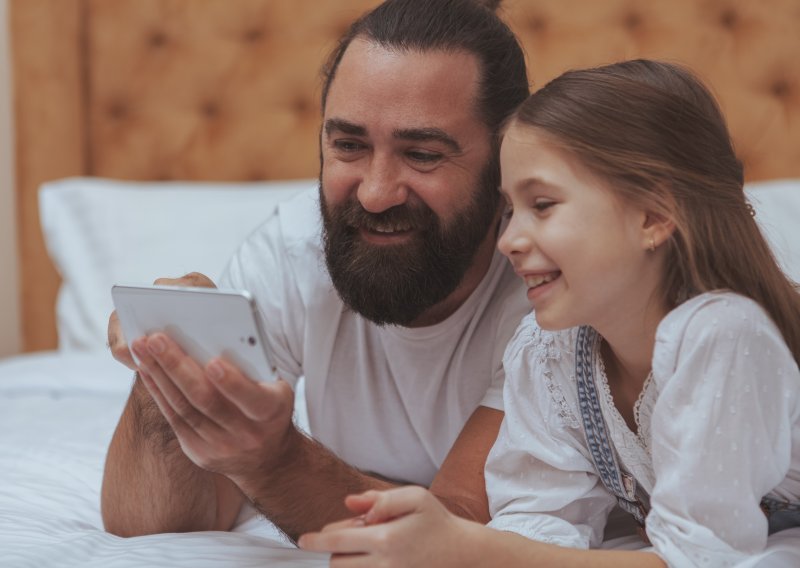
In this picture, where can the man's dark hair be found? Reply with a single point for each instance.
(448, 25)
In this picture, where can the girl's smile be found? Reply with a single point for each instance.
(539, 283)
(580, 250)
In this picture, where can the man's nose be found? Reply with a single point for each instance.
(382, 186)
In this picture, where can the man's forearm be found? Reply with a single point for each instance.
(150, 486)
(460, 484)
(306, 489)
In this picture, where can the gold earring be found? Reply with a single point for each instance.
(652, 247)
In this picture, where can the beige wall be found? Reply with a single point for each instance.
(9, 309)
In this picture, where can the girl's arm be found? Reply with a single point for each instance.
(409, 527)
(541, 482)
(511, 550)
(721, 429)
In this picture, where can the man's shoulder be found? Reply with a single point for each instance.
(293, 230)
(287, 245)
(299, 222)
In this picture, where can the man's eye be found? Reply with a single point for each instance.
(348, 145)
(423, 157)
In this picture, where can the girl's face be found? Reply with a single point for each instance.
(581, 251)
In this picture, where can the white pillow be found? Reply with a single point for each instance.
(777, 205)
(101, 232)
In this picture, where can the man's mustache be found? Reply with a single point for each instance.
(354, 216)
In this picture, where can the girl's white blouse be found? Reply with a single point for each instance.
(718, 429)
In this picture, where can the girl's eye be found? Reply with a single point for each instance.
(542, 205)
(508, 211)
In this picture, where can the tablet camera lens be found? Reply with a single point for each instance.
(251, 340)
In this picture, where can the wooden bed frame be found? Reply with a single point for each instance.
(228, 89)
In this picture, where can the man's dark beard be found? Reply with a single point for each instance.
(395, 284)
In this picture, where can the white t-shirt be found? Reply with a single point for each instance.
(388, 400)
(718, 429)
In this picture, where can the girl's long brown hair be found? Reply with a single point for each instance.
(656, 134)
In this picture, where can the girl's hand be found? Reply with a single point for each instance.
(399, 527)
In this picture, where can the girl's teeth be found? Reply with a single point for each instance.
(537, 280)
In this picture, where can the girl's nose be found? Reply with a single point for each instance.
(514, 240)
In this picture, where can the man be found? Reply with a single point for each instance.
(397, 312)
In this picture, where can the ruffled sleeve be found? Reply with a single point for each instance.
(539, 476)
(721, 429)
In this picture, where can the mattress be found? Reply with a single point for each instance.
(57, 415)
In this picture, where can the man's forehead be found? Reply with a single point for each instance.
(363, 47)
(403, 89)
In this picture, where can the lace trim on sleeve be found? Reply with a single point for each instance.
(547, 353)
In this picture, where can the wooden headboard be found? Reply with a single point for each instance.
(228, 89)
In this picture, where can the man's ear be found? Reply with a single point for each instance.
(656, 230)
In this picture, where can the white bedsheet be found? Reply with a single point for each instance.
(57, 415)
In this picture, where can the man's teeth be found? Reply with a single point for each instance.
(391, 228)
(532, 281)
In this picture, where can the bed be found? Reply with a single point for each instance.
(142, 123)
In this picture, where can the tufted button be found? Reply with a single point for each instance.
(780, 89)
(537, 24)
(339, 29)
(632, 21)
(728, 19)
(210, 109)
(157, 39)
(117, 110)
(253, 35)
(300, 105)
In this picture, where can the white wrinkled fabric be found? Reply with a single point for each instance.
(57, 415)
(539, 475)
(724, 432)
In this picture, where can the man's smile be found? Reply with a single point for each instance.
(386, 235)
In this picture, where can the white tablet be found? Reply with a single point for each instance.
(205, 322)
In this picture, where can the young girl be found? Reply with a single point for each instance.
(660, 370)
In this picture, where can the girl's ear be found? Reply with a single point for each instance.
(656, 230)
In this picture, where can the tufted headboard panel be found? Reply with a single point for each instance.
(228, 90)
(748, 52)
